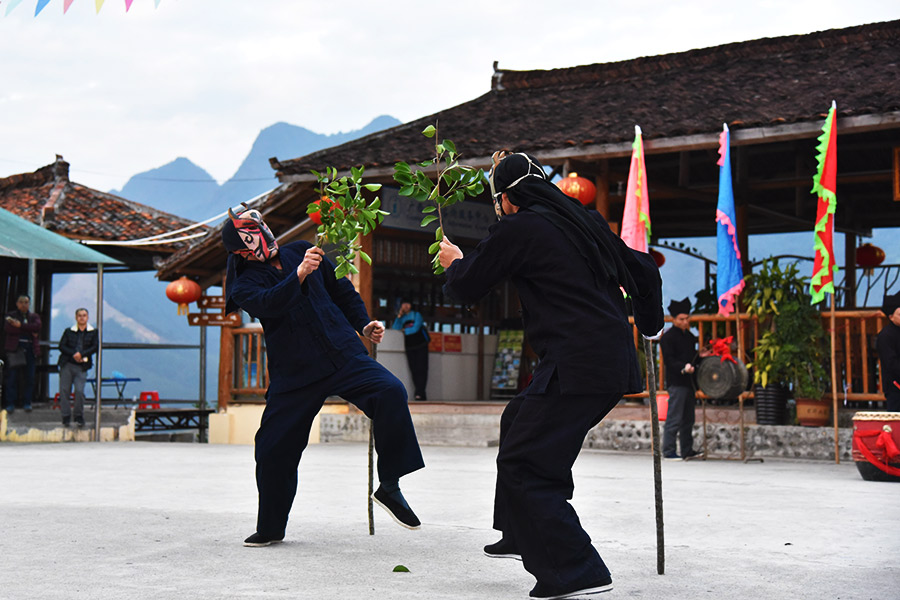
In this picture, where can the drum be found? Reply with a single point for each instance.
(722, 379)
(876, 445)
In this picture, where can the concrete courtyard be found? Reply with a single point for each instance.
(154, 520)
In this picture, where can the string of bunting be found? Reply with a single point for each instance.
(41, 4)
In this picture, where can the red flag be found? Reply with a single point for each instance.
(636, 217)
(825, 186)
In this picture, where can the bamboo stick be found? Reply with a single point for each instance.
(657, 461)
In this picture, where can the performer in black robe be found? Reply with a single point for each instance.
(567, 267)
(679, 349)
(889, 352)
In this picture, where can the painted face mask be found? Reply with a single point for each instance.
(254, 234)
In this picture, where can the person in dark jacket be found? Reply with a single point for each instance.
(23, 330)
(679, 349)
(76, 348)
(312, 322)
(889, 352)
(415, 343)
(567, 267)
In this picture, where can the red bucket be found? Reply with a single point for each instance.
(662, 404)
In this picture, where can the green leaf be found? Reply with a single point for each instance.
(355, 173)
(428, 220)
(401, 167)
(426, 164)
(449, 146)
(407, 190)
(429, 131)
(434, 248)
(439, 149)
(439, 233)
(400, 569)
(365, 257)
(372, 187)
(429, 209)
(313, 208)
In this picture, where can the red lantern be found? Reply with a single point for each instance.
(658, 257)
(869, 256)
(578, 187)
(183, 291)
(324, 203)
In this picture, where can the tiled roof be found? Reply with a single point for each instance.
(761, 83)
(82, 213)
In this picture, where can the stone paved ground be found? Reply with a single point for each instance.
(153, 520)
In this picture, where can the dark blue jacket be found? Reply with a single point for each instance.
(577, 328)
(311, 329)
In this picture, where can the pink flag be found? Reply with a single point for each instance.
(66, 5)
(636, 218)
(128, 4)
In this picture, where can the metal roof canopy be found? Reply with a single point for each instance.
(23, 239)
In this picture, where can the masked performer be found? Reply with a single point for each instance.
(889, 352)
(311, 320)
(567, 267)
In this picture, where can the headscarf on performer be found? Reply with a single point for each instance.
(890, 304)
(526, 184)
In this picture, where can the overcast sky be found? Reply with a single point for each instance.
(117, 93)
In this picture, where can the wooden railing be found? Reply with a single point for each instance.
(856, 361)
(251, 377)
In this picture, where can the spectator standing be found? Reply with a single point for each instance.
(679, 349)
(415, 343)
(22, 346)
(76, 348)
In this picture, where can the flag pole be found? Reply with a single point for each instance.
(834, 395)
(657, 460)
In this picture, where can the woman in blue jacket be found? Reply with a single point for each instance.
(415, 343)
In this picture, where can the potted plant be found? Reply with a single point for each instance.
(790, 354)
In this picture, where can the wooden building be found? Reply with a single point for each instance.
(773, 94)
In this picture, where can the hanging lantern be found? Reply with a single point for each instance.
(183, 291)
(658, 257)
(868, 257)
(324, 203)
(578, 187)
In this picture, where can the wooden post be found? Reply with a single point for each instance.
(601, 201)
(657, 461)
(834, 397)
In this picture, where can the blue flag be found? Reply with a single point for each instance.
(729, 274)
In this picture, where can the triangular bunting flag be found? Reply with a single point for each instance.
(128, 5)
(729, 273)
(66, 5)
(825, 186)
(157, 3)
(636, 218)
(40, 6)
(99, 4)
(12, 4)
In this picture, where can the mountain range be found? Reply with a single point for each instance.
(136, 309)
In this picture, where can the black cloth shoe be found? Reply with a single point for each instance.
(547, 593)
(258, 541)
(66, 421)
(502, 549)
(397, 507)
(693, 454)
(79, 421)
(671, 457)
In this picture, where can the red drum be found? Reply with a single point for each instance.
(876, 445)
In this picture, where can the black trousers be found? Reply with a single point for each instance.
(417, 359)
(679, 421)
(287, 419)
(540, 438)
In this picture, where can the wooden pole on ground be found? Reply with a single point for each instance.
(657, 461)
(372, 461)
(834, 396)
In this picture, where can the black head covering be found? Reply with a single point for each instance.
(890, 304)
(680, 307)
(522, 177)
(232, 242)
